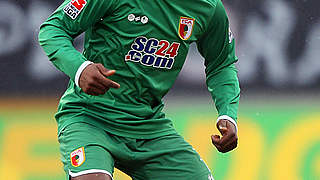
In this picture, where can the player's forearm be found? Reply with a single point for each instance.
(225, 91)
(58, 46)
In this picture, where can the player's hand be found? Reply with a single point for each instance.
(229, 139)
(93, 80)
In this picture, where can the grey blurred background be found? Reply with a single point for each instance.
(278, 44)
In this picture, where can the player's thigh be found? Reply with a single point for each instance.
(93, 176)
(169, 157)
(83, 150)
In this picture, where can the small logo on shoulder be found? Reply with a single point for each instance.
(185, 27)
(77, 157)
(74, 8)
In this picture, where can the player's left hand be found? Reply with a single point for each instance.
(229, 139)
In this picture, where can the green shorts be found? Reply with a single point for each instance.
(88, 149)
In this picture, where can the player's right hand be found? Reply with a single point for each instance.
(229, 139)
(93, 80)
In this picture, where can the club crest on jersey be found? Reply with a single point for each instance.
(185, 27)
(74, 8)
(153, 52)
(77, 157)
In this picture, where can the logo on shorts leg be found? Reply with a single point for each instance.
(77, 157)
(210, 177)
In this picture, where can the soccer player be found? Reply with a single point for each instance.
(111, 114)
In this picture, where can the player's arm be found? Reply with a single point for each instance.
(217, 47)
(56, 38)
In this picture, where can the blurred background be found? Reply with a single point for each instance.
(278, 45)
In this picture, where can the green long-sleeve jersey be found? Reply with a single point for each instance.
(146, 42)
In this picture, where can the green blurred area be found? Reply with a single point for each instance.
(278, 138)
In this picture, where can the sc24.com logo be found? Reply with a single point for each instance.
(153, 52)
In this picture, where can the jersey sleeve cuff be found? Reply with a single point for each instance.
(79, 71)
(229, 119)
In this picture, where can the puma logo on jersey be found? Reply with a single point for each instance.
(153, 52)
(74, 8)
(143, 19)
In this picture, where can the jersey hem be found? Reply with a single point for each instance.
(113, 131)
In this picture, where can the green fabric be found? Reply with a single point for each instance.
(220, 71)
(160, 158)
(147, 56)
(92, 140)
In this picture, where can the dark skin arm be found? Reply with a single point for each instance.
(94, 80)
(229, 139)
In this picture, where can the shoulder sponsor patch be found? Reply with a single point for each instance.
(77, 157)
(74, 8)
(185, 27)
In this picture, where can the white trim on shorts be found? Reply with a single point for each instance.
(89, 172)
